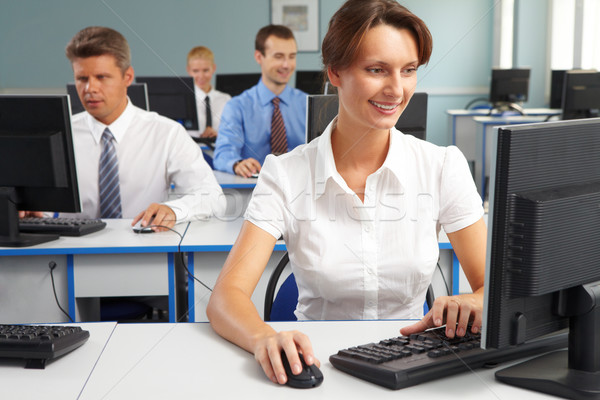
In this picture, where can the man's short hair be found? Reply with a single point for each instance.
(98, 41)
(280, 31)
(201, 52)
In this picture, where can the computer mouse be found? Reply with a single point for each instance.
(311, 376)
(138, 228)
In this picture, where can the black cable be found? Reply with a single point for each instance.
(478, 99)
(52, 265)
(444, 279)
(181, 255)
(190, 274)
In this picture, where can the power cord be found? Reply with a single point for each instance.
(52, 266)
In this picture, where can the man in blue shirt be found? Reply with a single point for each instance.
(245, 138)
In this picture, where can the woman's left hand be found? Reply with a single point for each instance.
(454, 311)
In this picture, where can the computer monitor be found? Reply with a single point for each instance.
(557, 80)
(310, 82)
(509, 88)
(542, 272)
(174, 97)
(235, 84)
(581, 94)
(37, 163)
(322, 108)
(137, 92)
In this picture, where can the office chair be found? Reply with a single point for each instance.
(282, 306)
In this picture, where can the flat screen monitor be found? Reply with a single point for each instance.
(542, 272)
(310, 82)
(557, 80)
(137, 92)
(322, 109)
(581, 94)
(174, 97)
(37, 162)
(235, 84)
(509, 87)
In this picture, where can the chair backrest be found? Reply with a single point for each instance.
(281, 307)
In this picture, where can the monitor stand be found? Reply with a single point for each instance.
(9, 223)
(572, 373)
(507, 106)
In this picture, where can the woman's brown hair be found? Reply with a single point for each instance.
(351, 22)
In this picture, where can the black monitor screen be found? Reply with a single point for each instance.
(509, 86)
(235, 84)
(137, 92)
(581, 95)
(557, 80)
(310, 82)
(321, 109)
(543, 249)
(37, 163)
(174, 97)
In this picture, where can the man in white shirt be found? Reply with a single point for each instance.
(152, 152)
(209, 101)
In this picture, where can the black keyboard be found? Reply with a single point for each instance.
(205, 140)
(403, 361)
(61, 226)
(39, 343)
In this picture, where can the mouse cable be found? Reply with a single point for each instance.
(52, 265)
(183, 262)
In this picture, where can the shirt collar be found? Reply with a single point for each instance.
(325, 168)
(118, 128)
(395, 161)
(266, 96)
(201, 94)
(325, 164)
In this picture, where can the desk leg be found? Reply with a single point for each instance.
(455, 273)
(191, 288)
(71, 287)
(172, 291)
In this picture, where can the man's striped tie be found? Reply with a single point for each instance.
(108, 178)
(278, 138)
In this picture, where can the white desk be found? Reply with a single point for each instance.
(64, 377)
(118, 262)
(190, 361)
(111, 262)
(463, 131)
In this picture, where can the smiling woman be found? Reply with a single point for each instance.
(360, 207)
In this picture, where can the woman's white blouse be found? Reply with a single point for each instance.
(371, 260)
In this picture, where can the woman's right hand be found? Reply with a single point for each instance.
(267, 351)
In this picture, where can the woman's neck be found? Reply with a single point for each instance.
(359, 150)
(358, 155)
